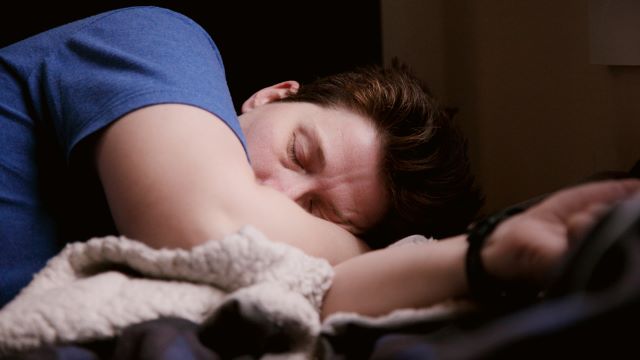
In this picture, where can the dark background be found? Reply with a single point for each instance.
(262, 42)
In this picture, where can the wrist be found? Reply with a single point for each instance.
(483, 285)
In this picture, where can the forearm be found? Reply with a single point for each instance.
(523, 248)
(414, 275)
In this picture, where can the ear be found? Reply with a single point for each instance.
(269, 94)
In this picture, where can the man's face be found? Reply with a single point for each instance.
(326, 160)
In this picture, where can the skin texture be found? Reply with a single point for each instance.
(326, 160)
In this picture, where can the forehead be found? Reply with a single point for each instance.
(343, 127)
(351, 178)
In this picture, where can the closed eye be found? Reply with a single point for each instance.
(310, 206)
(292, 152)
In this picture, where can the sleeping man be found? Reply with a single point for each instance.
(135, 102)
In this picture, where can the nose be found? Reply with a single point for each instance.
(295, 186)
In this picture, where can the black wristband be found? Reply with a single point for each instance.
(484, 287)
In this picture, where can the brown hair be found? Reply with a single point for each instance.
(425, 164)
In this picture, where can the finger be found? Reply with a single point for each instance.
(573, 200)
(581, 223)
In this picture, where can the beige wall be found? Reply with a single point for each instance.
(537, 114)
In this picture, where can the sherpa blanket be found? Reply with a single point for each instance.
(93, 290)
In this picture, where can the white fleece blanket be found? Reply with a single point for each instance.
(93, 290)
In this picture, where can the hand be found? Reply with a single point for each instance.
(528, 246)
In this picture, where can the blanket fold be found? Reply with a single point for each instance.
(92, 290)
(250, 295)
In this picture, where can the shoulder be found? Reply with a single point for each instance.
(142, 33)
(150, 13)
(150, 20)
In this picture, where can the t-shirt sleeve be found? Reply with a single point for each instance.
(128, 59)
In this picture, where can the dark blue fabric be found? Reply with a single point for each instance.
(231, 332)
(163, 339)
(60, 87)
(160, 339)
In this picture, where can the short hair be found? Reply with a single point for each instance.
(425, 163)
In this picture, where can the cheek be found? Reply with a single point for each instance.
(264, 155)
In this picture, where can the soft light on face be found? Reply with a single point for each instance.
(326, 160)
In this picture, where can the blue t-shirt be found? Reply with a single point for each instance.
(60, 87)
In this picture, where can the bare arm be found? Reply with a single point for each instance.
(523, 248)
(399, 277)
(176, 176)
